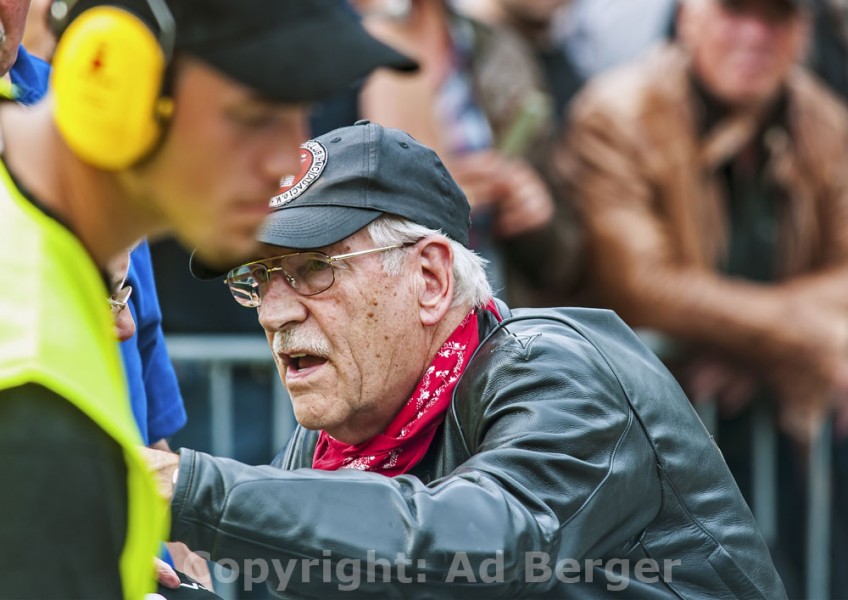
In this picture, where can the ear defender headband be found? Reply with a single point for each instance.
(106, 82)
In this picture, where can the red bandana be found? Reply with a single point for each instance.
(405, 441)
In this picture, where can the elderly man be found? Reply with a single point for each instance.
(448, 446)
(713, 184)
(162, 116)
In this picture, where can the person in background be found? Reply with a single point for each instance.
(154, 391)
(28, 74)
(828, 52)
(126, 328)
(534, 21)
(601, 34)
(192, 143)
(712, 182)
(12, 19)
(480, 99)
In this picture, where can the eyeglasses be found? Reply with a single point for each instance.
(307, 273)
(118, 300)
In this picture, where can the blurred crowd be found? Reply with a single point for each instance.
(680, 162)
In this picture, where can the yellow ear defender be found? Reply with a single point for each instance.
(106, 83)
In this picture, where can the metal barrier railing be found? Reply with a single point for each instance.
(764, 497)
(222, 353)
(764, 469)
(818, 514)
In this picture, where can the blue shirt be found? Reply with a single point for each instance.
(30, 76)
(154, 392)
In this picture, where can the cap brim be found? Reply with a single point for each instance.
(203, 271)
(315, 60)
(313, 226)
(305, 228)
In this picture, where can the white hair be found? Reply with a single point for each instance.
(471, 287)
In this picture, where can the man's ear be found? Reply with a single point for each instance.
(435, 293)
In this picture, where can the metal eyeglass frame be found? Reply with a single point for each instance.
(330, 260)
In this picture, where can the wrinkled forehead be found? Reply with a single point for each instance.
(270, 251)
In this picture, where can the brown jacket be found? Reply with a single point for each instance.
(652, 197)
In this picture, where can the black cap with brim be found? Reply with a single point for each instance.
(313, 226)
(294, 51)
(348, 178)
(320, 50)
(201, 270)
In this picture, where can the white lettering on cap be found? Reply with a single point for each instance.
(313, 159)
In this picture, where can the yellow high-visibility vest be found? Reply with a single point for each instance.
(56, 331)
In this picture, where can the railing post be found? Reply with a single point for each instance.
(764, 471)
(708, 413)
(818, 513)
(221, 407)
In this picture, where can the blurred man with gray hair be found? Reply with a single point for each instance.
(712, 179)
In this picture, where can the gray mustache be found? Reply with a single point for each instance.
(300, 340)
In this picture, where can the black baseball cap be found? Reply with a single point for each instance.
(287, 50)
(351, 176)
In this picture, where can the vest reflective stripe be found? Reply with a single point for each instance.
(56, 331)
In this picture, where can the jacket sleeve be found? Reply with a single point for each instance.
(640, 274)
(554, 451)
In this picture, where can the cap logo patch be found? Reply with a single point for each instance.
(313, 159)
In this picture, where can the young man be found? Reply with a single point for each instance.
(218, 88)
(449, 446)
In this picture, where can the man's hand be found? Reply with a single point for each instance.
(190, 563)
(166, 575)
(161, 445)
(163, 465)
(712, 379)
(526, 203)
(518, 194)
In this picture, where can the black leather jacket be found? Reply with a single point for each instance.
(570, 465)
